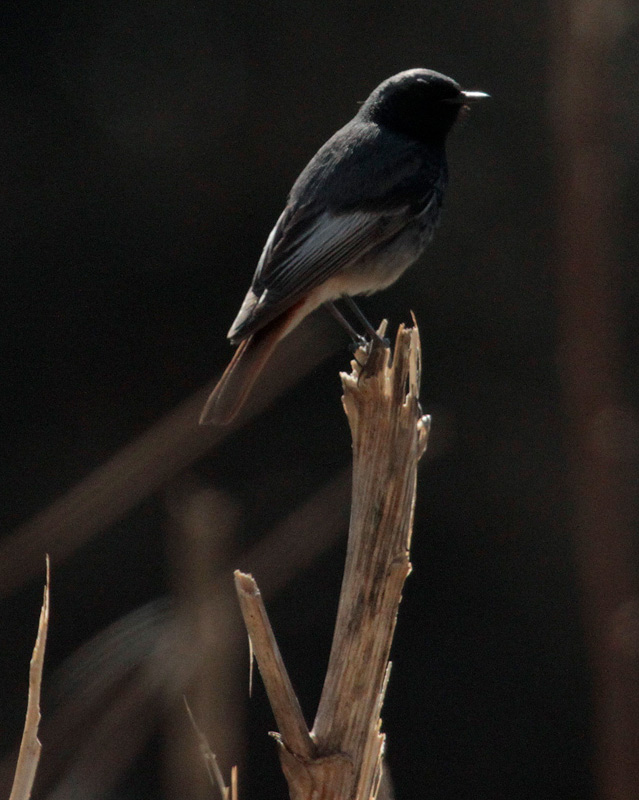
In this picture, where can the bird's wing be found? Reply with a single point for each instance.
(334, 216)
(305, 249)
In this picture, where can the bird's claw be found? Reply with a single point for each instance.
(370, 365)
(356, 344)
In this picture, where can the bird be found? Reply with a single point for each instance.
(359, 214)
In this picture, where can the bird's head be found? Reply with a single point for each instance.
(419, 103)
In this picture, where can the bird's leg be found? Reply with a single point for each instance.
(357, 339)
(368, 327)
(380, 340)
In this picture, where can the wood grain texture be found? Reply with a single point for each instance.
(342, 756)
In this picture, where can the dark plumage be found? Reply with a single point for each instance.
(360, 213)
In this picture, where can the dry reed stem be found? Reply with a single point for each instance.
(30, 747)
(284, 702)
(342, 758)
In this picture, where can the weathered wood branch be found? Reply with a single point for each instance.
(342, 756)
(30, 747)
(284, 702)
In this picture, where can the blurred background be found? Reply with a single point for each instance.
(147, 150)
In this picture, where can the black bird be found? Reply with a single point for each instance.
(361, 212)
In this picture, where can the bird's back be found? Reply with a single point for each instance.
(368, 167)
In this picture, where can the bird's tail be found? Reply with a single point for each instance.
(251, 356)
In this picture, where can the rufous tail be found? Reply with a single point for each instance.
(251, 356)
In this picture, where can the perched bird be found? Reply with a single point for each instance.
(361, 212)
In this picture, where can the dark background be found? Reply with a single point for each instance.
(147, 149)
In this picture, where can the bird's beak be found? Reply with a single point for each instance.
(465, 97)
(472, 96)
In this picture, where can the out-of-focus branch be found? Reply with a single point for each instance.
(203, 524)
(342, 758)
(602, 455)
(148, 657)
(216, 778)
(143, 466)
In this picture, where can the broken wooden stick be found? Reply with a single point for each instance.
(342, 756)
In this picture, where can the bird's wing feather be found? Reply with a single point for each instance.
(325, 244)
(305, 252)
(334, 217)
